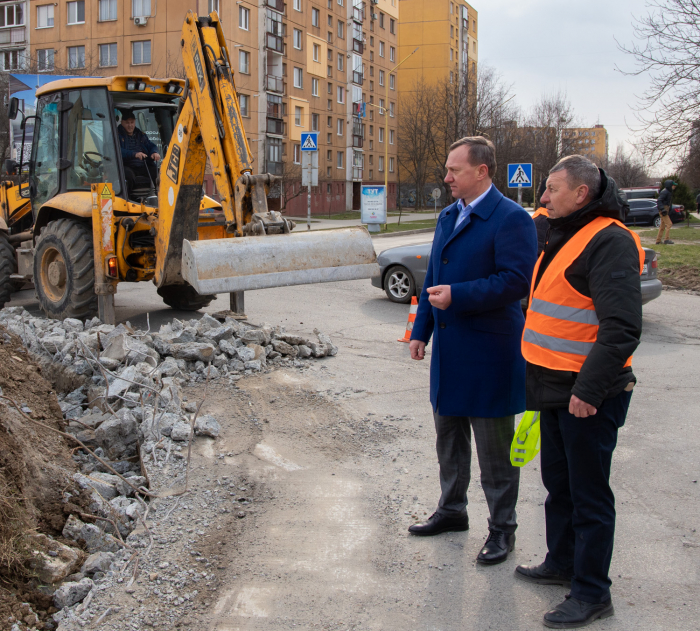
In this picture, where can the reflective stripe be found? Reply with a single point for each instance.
(562, 312)
(557, 344)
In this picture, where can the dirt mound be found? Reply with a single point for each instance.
(683, 277)
(35, 468)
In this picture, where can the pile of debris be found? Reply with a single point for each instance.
(126, 409)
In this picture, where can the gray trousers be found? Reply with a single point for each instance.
(499, 478)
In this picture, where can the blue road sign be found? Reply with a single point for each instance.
(309, 141)
(520, 175)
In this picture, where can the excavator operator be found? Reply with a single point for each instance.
(139, 154)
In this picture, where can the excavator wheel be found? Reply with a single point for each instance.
(64, 270)
(7, 266)
(184, 297)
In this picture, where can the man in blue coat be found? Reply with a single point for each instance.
(483, 255)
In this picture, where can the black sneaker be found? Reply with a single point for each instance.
(668, 242)
(541, 575)
(438, 523)
(574, 613)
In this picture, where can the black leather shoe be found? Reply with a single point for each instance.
(496, 548)
(438, 523)
(574, 613)
(541, 575)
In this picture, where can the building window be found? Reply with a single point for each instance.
(341, 62)
(244, 105)
(44, 16)
(243, 18)
(371, 85)
(315, 18)
(341, 29)
(329, 155)
(12, 15)
(330, 55)
(392, 26)
(330, 104)
(391, 109)
(328, 172)
(329, 122)
(452, 31)
(329, 138)
(140, 8)
(371, 130)
(330, 37)
(108, 55)
(108, 10)
(381, 20)
(330, 71)
(391, 165)
(44, 59)
(339, 160)
(340, 127)
(315, 121)
(141, 52)
(274, 150)
(392, 82)
(243, 62)
(340, 3)
(297, 5)
(452, 77)
(474, 25)
(297, 39)
(297, 154)
(9, 60)
(341, 94)
(330, 20)
(380, 163)
(298, 78)
(314, 87)
(381, 77)
(329, 89)
(76, 57)
(392, 53)
(381, 49)
(297, 115)
(76, 14)
(317, 53)
(381, 134)
(452, 54)
(213, 6)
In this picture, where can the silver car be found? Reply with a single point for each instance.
(403, 270)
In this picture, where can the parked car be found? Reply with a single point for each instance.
(403, 270)
(644, 212)
(640, 193)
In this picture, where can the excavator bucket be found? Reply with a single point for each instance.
(219, 266)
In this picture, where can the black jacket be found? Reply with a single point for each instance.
(665, 197)
(608, 272)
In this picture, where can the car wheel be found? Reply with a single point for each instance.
(399, 284)
(657, 221)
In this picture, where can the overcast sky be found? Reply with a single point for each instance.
(546, 45)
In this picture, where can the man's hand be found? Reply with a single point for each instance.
(440, 296)
(579, 408)
(140, 155)
(155, 157)
(417, 349)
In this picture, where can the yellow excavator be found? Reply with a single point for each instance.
(78, 226)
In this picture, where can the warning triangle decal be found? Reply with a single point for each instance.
(309, 143)
(106, 192)
(520, 177)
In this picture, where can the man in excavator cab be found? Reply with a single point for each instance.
(139, 154)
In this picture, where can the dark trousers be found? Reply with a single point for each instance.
(499, 478)
(580, 508)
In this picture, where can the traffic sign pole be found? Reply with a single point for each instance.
(309, 143)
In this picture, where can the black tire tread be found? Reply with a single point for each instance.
(76, 239)
(184, 297)
(7, 268)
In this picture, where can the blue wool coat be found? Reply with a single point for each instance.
(477, 368)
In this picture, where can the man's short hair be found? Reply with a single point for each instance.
(580, 170)
(128, 115)
(481, 151)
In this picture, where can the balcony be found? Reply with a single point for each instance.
(358, 46)
(274, 42)
(357, 77)
(274, 168)
(357, 141)
(357, 127)
(357, 174)
(275, 126)
(13, 36)
(275, 84)
(358, 13)
(277, 5)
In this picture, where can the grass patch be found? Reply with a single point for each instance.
(675, 256)
(409, 225)
(680, 234)
(350, 214)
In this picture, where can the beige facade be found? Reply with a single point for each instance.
(303, 65)
(591, 142)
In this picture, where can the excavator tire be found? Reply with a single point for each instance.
(184, 297)
(64, 270)
(7, 266)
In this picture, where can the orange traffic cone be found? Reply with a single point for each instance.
(411, 319)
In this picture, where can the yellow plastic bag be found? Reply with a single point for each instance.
(526, 442)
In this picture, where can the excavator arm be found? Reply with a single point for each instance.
(209, 126)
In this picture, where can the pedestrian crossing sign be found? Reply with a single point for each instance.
(520, 175)
(309, 141)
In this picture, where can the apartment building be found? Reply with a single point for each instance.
(446, 34)
(303, 65)
(591, 142)
(14, 36)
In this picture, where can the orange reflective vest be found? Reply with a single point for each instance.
(561, 325)
(540, 211)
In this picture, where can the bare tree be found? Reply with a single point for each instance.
(290, 183)
(666, 49)
(626, 169)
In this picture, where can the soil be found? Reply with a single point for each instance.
(35, 468)
(684, 277)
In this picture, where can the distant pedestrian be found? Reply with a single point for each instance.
(540, 219)
(482, 258)
(583, 324)
(664, 203)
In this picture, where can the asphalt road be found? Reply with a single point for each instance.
(358, 569)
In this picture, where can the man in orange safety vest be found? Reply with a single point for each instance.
(583, 323)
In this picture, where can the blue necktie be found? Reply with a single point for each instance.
(463, 213)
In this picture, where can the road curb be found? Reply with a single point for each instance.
(401, 232)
